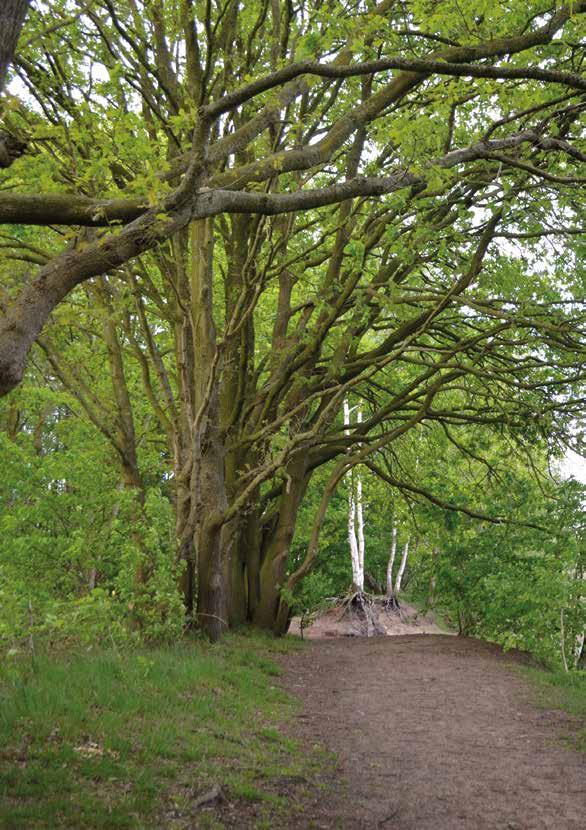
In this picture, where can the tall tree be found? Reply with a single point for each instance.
(300, 203)
(12, 15)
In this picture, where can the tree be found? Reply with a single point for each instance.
(298, 204)
(390, 586)
(355, 516)
(12, 17)
(11, 20)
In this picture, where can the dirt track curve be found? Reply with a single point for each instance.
(434, 733)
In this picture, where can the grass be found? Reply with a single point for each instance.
(107, 739)
(565, 691)
(419, 601)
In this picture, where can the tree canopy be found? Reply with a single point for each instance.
(226, 219)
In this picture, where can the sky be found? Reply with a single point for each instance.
(574, 465)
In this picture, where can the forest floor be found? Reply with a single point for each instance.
(434, 732)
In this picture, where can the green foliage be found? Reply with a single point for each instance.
(514, 583)
(71, 543)
(154, 606)
(88, 529)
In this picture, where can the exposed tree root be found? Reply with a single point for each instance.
(390, 603)
(363, 608)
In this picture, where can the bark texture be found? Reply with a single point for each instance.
(12, 15)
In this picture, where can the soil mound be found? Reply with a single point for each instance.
(365, 616)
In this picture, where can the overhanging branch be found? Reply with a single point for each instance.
(420, 491)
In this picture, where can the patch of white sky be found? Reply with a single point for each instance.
(573, 466)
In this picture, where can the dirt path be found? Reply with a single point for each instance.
(433, 733)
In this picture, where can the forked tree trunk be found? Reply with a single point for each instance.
(272, 611)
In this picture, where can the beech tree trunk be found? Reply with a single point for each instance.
(12, 15)
(272, 611)
(208, 483)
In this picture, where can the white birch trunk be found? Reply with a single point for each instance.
(352, 538)
(359, 524)
(391, 562)
(402, 568)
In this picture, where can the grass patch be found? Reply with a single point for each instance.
(565, 691)
(107, 739)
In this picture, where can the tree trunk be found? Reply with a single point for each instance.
(391, 562)
(432, 579)
(213, 539)
(360, 520)
(402, 568)
(272, 611)
(213, 560)
(12, 17)
(355, 520)
(186, 556)
(352, 540)
(360, 533)
(252, 543)
(238, 610)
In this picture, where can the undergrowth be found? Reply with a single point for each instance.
(131, 739)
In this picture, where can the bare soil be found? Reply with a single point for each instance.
(342, 621)
(432, 733)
